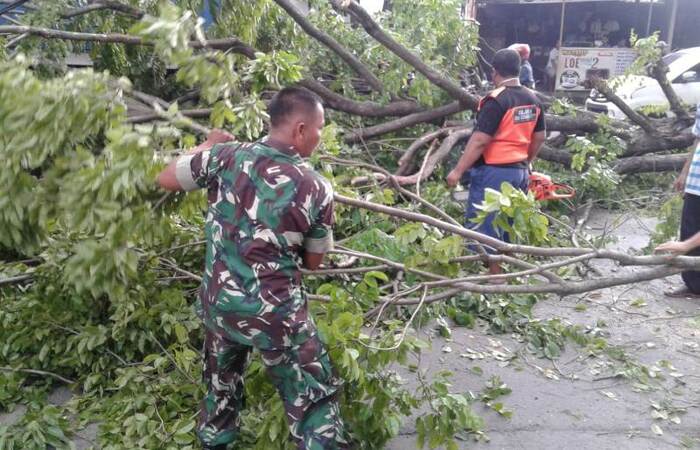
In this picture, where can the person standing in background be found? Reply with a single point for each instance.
(688, 183)
(527, 77)
(551, 68)
(510, 129)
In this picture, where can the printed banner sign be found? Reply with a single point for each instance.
(577, 64)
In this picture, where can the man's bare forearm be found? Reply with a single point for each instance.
(471, 155)
(535, 145)
(167, 179)
(472, 152)
(689, 161)
(206, 145)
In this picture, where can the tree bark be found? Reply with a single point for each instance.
(233, 44)
(365, 109)
(437, 157)
(556, 155)
(650, 163)
(685, 262)
(102, 5)
(644, 123)
(404, 122)
(407, 160)
(201, 113)
(659, 71)
(641, 143)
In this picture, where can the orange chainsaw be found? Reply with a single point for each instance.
(543, 188)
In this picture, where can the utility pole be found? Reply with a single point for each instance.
(651, 13)
(561, 23)
(672, 23)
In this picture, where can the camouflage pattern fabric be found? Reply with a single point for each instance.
(266, 207)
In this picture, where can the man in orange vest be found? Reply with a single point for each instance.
(509, 132)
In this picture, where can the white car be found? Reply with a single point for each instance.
(643, 91)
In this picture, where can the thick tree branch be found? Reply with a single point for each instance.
(638, 119)
(374, 30)
(390, 263)
(437, 157)
(660, 71)
(404, 122)
(623, 166)
(102, 5)
(406, 162)
(562, 289)
(365, 109)
(332, 44)
(687, 262)
(650, 163)
(16, 279)
(347, 271)
(668, 140)
(556, 155)
(574, 124)
(233, 44)
(201, 113)
(148, 99)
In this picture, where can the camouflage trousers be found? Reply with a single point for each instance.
(304, 380)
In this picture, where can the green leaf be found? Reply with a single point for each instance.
(181, 333)
(552, 350)
(378, 275)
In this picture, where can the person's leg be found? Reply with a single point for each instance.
(519, 179)
(225, 362)
(476, 197)
(482, 177)
(690, 225)
(308, 387)
(493, 177)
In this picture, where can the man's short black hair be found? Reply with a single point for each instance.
(290, 100)
(506, 62)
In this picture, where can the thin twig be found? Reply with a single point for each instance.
(405, 329)
(39, 372)
(390, 263)
(17, 279)
(175, 267)
(172, 359)
(346, 271)
(393, 184)
(422, 167)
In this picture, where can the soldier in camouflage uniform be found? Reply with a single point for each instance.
(268, 212)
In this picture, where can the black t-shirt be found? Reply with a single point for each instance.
(493, 109)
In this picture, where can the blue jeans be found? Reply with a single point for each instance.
(486, 176)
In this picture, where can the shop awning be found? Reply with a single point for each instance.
(533, 2)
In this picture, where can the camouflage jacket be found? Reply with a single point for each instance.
(266, 206)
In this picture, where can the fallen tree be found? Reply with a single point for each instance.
(103, 269)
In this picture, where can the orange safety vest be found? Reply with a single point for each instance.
(512, 140)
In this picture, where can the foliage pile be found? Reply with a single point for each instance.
(97, 281)
(108, 310)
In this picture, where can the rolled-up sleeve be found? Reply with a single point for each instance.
(196, 170)
(319, 237)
